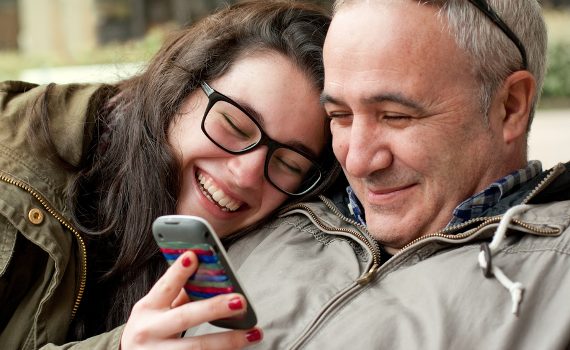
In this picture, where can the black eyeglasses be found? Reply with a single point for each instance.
(229, 126)
(484, 7)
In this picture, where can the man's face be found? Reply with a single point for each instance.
(407, 125)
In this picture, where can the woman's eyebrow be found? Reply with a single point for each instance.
(298, 145)
(251, 112)
(301, 147)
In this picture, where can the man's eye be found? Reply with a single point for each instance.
(338, 115)
(397, 117)
(398, 120)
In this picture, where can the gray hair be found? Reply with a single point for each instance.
(494, 55)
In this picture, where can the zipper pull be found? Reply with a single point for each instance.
(367, 276)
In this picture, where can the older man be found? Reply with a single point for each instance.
(420, 122)
(447, 237)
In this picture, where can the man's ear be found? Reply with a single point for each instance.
(518, 89)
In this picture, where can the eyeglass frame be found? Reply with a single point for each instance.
(214, 96)
(491, 14)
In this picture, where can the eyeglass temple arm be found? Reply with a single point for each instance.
(206, 88)
(493, 16)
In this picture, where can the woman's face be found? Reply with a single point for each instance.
(230, 191)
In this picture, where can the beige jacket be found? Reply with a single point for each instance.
(313, 279)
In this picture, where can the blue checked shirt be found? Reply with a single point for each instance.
(472, 207)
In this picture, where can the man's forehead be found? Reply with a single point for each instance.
(364, 28)
(369, 46)
(364, 15)
(353, 20)
(350, 41)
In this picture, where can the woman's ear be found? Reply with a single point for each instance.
(519, 89)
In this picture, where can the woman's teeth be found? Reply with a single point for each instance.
(216, 195)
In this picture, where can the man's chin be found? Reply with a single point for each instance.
(387, 230)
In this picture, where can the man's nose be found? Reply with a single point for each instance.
(368, 149)
(248, 168)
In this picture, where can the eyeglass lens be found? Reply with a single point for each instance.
(235, 131)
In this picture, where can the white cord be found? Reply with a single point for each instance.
(515, 288)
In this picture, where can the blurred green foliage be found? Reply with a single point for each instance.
(556, 91)
(557, 81)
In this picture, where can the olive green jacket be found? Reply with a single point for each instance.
(42, 256)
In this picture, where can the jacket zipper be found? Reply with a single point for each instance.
(364, 279)
(556, 171)
(370, 243)
(372, 246)
(370, 274)
(47, 206)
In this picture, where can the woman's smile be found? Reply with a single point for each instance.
(215, 194)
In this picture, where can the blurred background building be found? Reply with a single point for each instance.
(38, 35)
(64, 41)
(68, 27)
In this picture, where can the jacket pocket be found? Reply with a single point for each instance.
(22, 274)
(7, 243)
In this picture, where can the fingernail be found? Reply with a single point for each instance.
(235, 304)
(186, 261)
(253, 335)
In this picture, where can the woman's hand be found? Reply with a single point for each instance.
(158, 319)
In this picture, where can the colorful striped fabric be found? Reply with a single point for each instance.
(210, 279)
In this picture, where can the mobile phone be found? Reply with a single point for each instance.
(176, 234)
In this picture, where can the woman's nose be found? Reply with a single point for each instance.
(248, 168)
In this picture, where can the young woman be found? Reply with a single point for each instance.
(225, 123)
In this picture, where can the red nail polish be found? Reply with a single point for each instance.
(235, 304)
(186, 261)
(253, 335)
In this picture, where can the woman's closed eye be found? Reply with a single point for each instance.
(288, 165)
(237, 130)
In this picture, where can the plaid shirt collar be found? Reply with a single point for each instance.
(472, 207)
(479, 203)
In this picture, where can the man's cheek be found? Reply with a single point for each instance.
(340, 144)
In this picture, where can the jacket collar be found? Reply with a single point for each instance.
(550, 186)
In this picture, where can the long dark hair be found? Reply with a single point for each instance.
(131, 176)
